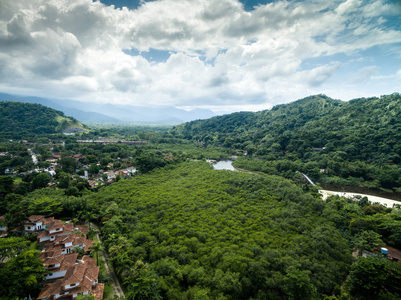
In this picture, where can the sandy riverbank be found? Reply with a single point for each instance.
(384, 201)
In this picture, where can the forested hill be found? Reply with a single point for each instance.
(190, 232)
(366, 130)
(23, 120)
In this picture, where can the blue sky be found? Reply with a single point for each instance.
(134, 4)
(225, 55)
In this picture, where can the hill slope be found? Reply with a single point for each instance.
(361, 138)
(23, 120)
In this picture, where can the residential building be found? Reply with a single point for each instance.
(80, 278)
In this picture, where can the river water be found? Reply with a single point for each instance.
(224, 165)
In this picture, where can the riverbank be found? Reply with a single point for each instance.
(384, 201)
(360, 190)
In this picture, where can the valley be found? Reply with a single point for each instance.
(174, 226)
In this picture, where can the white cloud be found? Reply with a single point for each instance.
(221, 54)
(318, 75)
(364, 74)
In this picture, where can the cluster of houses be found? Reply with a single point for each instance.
(53, 160)
(94, 180)
(67, 276)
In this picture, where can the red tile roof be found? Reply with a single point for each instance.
(83, 229)
(393, 253)
(98, 290)
(36, 218)
(65, 261)
(82, 274)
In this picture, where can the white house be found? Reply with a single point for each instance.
(58, 266)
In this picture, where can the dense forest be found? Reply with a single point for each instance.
(26, 120)
(190, 232)
(353, 143)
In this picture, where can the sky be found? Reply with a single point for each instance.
(224, 55)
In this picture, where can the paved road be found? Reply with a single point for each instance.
(384, 201)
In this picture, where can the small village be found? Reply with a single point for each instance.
(52, 158)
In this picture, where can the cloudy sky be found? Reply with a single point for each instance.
(226, 55)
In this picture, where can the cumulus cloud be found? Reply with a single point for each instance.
(220, 54)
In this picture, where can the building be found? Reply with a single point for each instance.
(58, 265)
(80, 279)
(37, 223)
(55, 229)
(65, 244)
(67, 276)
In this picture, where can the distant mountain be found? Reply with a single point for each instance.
(23, 120)
(70, 108)
(111, 113)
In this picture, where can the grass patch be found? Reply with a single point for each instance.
(33, 245)
(108, 293)
(17, 180)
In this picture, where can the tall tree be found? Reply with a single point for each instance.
(96, 248)
(21, 275)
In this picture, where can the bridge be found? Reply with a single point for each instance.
(307, 178)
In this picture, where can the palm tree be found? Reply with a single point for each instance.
(91, 233)
(96, 248)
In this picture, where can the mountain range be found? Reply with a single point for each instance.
(111, 113)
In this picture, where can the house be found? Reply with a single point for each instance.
(110, 175)
(78, 156)
(55, 229)
(92, 183)
(393, 254)
(57, 155)
(37, 223)
(64, 244)
(80, 279)
(58, 265)
(131, 170)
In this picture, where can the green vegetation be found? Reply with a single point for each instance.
(189, 231)
(375, 278)
(21, 275)
(361, 139)
(25, 120)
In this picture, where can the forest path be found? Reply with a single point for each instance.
(110, 271)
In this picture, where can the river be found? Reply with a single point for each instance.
(224, 165)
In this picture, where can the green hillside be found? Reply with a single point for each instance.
(24, 120)
(361, 139)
